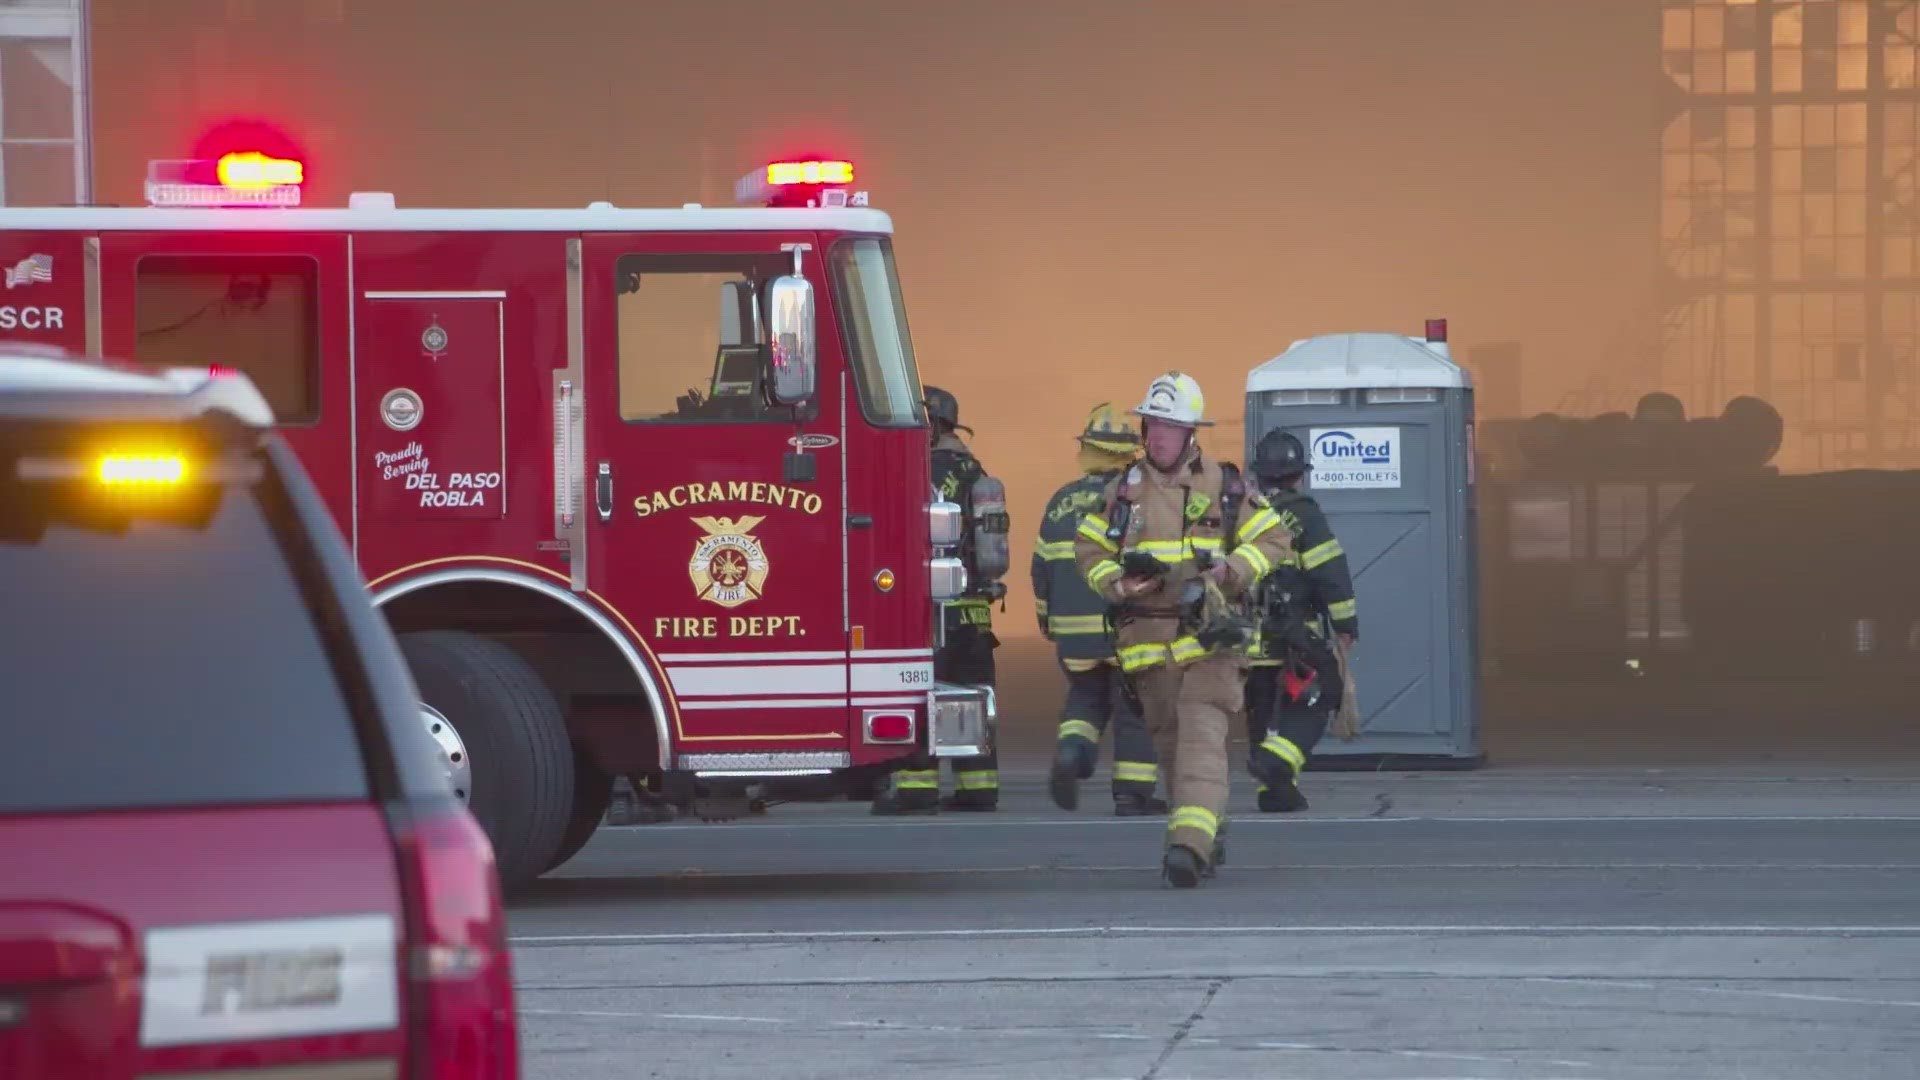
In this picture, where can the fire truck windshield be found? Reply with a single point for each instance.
(875, 324)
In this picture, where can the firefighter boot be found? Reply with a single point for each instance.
(1072, 763)
(1131, 804)
(915, 791)
(1284, 797)
(1182, 867)
(1276, 764)
(978, 782)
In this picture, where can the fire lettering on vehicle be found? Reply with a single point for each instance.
(735, 626)
(718, 491)
(247, 982)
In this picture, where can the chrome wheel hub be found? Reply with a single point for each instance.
(453, 752)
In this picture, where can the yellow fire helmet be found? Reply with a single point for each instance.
(1108, 430)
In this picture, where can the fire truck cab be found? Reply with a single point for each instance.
(642, 493)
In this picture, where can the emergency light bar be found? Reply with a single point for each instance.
(243, 179)
(799, 183)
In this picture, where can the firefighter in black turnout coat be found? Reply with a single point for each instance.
(1074, 618)
(966, 653)
(1309, 621)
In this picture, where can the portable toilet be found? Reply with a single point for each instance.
(1387, 421)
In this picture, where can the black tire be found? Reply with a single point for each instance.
(516, 737)
(592, 792)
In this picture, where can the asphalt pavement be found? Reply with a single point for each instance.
(1631, 923)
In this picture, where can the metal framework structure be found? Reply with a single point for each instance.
(45, 132)
(1788, 220)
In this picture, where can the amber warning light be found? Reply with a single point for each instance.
(239, 179)
(800, 183)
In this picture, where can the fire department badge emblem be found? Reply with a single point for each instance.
(729, 567)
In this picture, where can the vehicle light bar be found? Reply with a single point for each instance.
(235, 180)
(809, 182)
(783, 173)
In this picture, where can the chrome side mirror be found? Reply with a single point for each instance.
(792, 355)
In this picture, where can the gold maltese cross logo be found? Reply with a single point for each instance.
(728, 567)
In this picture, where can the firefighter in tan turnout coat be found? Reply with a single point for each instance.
(1178, 540)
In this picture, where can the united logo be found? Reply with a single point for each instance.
(728, 567)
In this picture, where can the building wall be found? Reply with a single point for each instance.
(1787, 219)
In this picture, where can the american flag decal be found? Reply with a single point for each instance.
(33, 268)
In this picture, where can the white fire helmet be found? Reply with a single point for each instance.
(1176, 399)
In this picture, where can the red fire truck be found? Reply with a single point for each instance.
(635, 502)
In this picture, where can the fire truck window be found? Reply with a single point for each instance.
(252, 312)
(874, 320)
(691, 331)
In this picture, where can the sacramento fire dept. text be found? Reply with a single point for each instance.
(740, 626)
(728, 491)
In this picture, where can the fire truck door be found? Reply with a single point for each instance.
(430, 376)
(713, 521)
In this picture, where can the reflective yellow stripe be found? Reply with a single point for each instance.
(1256, 525)
(1140, 772)
(1094, 528)
(1079, 729)
(1285, 751)
(979, 780)
(1194, 817)
(1321, 555)
(1078, 624)
(1054, 550)
(1103, 571)
(1187, 649)
(1075, 664)
(1041, 607)
(1343, 609)
(917, 779)
(1179, 551)
(1255, 559)
(1140, 657)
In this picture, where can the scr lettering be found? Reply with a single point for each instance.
(32, 318)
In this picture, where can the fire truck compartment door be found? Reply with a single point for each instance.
(430, 369)
(714, 522)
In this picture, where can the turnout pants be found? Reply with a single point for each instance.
(1281, 732)
(966, 658)
(1095, 697)
(1189, 712)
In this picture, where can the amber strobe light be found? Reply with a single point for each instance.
(142, 469)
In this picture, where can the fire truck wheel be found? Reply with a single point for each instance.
(519, 759)
(592, 792)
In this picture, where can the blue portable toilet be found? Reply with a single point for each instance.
(1387, 421)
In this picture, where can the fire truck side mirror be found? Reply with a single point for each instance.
(791, 360)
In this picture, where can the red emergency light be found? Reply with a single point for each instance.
(809, 182)
(247, 178)
(254, 170)
(785, 173)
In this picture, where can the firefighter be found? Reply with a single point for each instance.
(967, 643)
(1177, 540)
(1074, 619)
(1300, 673)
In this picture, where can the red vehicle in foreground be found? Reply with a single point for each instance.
(633, 500)
(225, 845)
